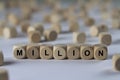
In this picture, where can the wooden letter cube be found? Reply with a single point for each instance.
(50, 35)
(86, 52)
(116, 62)
(33, 51)
(96, 30)
(4, 74)
(1, 58)
(73, 51)
(60, 51)
(105, 38)
(46, 51)
(100, 51)
(19, 51)
(9, 32)
(34, 36)
(79, 37)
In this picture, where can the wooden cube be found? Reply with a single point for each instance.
(9, 32)
(116, 62)
(89, 21)
(73, 51)
(34, 37)
(24, 26)
(86, 52)
(33, 51)
(105, 38)
(13, 19)
(57, 27)
(47, 18)
(50, 35)
(4, 74)
(46, 51)
(1, 58)
(60, 52)
(19, 51)
(79, 37)
(74, 26)
(100, 52)
(96, 30)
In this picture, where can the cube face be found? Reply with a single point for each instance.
(32, 53)
(86, 52)
(3, 74)
(105, 38)
(50, 35)
(9, 32)
(34, 36)
(1, 58)
(46, 52)
(94, 31)
(73, 52)
(20, 53)
(59, 52)
(116, 62)
(100, 53)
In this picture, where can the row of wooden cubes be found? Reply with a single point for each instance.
(60, 51)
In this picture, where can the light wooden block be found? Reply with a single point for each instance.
(39, 27)
(50, 35)
(46, 51)
(57, 27)
(4, 74)
(89, 21)
(73, 51)
(60, 52)
(79, 37)
(34, 37)
(19, 51)
(86, 52)
(24, 26)
(13, 19)
(116, 62)
(32, 51)
(96, 30)
(30, 29)
(74, 26)
(1, 58)
(9, 32)
(55, 18)
(105, 38)
(100, 52)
